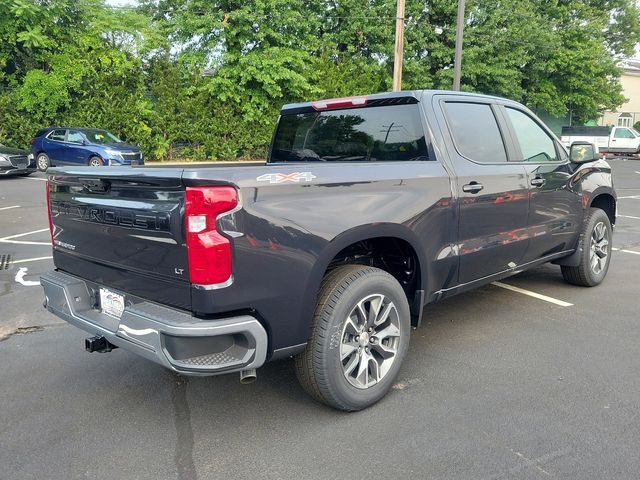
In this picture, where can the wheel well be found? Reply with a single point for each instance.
(393, 255)
(605, 202)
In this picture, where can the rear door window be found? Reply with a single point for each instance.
(475, 131)
(58, 135)
(371, 134)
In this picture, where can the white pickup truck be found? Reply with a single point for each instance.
(607, 139)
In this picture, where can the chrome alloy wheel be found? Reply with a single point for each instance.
(43, 162)
(599, 248)
(95, 162)
(370, 340)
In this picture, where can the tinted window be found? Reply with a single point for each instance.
(388, 133)
(475, 132)
(75, 137)
(57, 135)
(535, 144)
(623, 133)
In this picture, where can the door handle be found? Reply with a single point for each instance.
(473, 187)
(538, 181)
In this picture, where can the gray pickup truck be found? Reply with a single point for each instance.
(367, 209)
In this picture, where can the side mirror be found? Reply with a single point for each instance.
(583, 152)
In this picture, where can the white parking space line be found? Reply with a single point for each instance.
(539, 296)
(9, 208)
(11, 238)
(26, 260)
(22, 271)
(629, 216)
(625, 251)
(634, 197)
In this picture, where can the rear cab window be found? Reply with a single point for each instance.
(366, 134)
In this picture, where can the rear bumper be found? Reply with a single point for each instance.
(164, 335)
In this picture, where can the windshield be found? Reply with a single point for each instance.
(635, 132)
(101, 136)
(386, 133)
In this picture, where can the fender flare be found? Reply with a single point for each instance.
(357, 234)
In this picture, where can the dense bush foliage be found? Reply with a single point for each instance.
(204, 79)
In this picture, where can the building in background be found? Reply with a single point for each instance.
(628, 114)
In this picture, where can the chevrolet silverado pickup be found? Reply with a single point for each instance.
(366, 210)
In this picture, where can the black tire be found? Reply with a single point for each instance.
(95, 162)
(586, 274)
(320, 369)
(43, 162)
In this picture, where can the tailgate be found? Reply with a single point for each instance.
(122, 228)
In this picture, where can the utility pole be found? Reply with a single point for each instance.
(457, 63)
(397, 58)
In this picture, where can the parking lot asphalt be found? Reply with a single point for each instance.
(497, 384)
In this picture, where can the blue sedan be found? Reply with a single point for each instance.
(82, 146)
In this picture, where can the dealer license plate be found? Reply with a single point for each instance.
(111, 303)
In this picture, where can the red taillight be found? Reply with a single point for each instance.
(209, 251)
(346, 102)
(32, 141)
(48, 186)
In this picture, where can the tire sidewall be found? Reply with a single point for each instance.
(91, 159)
(378, 282)
(596, 217)
(48, 162)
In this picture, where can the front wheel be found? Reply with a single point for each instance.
(96, 162)
(359, 337)
(595, 246)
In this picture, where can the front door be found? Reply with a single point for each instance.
(77, 153)
(555, 212)
(492, 193)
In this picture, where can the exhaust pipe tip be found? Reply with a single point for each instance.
(248, 376)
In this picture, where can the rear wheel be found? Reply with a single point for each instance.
(359, 337)
(96, 162)
(595, 245)
(43, 162)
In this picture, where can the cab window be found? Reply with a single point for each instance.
(623, 133)
(535, 144)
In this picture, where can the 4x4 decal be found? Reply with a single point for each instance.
(295, 177)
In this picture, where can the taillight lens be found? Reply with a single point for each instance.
(32, 141)
(209, 252)
(48, 186)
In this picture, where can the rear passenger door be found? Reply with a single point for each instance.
(492, 193)
(555, 213)
(54, 146)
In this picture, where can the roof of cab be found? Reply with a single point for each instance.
(386, 98)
